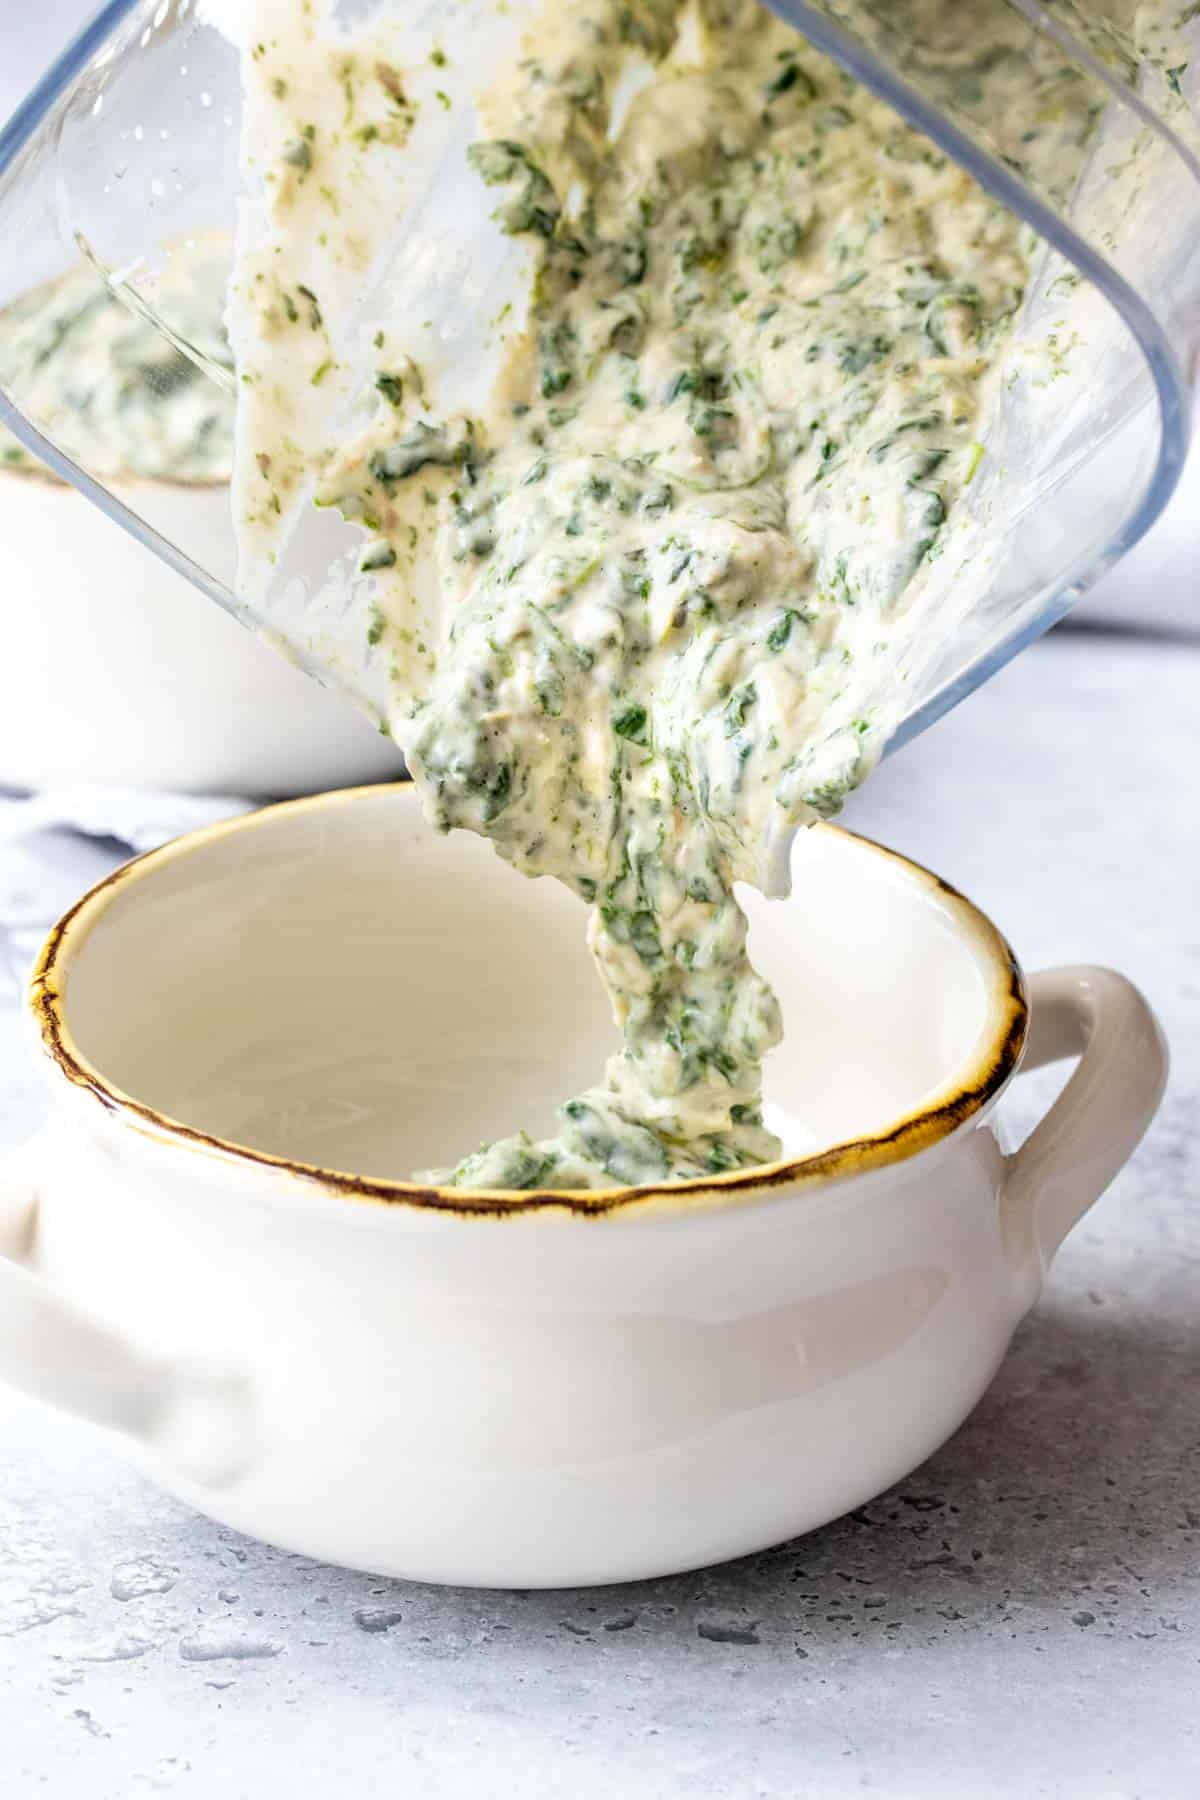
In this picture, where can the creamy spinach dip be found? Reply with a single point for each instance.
(109, 388)
(683, 545)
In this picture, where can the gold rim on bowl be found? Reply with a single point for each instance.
(942, 1113)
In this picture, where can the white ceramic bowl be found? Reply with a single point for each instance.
(543, 1389)
(114, 669)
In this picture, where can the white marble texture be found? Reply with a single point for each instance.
(1021, 1617)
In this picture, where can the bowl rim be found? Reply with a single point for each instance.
(945, 1111)
(50, 482)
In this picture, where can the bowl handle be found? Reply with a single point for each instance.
(1098, 1120)
(192, 1412)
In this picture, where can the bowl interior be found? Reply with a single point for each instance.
(333, 982)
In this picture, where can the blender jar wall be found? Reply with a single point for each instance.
(130, 149)
(1077, 115)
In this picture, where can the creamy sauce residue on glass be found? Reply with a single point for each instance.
(105, 384)
(684, 545)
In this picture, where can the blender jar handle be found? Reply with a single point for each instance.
(1100, 1117)
(192, 1413)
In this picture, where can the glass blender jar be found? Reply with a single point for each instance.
(129, 149)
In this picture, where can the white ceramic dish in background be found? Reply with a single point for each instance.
(115, 669)
(1156, 587)
(526, 1390)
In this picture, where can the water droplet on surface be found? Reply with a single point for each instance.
(217, 1643)
(52, 1597)
(720, 1631)
(140, 1576)
(376, 1618)
(122, 1649)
